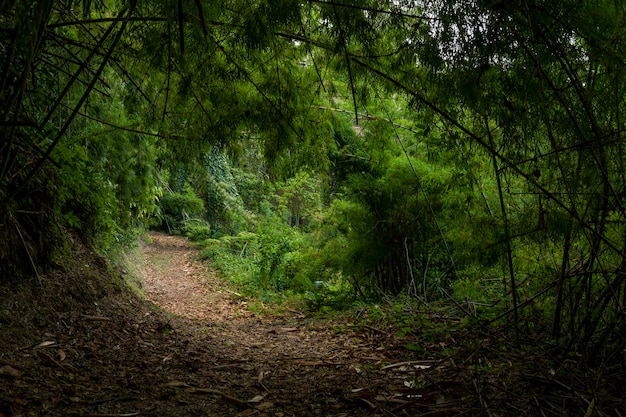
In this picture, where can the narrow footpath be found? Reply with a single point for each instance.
(80, 343)
(235, 362)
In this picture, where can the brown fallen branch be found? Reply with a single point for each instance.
(94, 318)
(189, 388)
(422, 364)
(483, 403)
(49, 359)
(11, 364)
(225, 397)
(374, 329)
(318, 363)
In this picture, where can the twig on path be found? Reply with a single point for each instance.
(190, 389)
(51, 360)
(259, 381)
(94, 318)
(317, 363)
(234, 293)
(481, 399)
(425, 364)
(112, 399)
(226, 397)
(374, 329)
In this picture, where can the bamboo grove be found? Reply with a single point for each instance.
(451, 149)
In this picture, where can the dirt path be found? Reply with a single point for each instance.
(80, 343)
(85, 345)
(178, 283)
(285, 366)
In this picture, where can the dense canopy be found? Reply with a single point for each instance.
(468, 149)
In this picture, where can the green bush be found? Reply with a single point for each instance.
(177, 209)
(236, 259)
(197, 229)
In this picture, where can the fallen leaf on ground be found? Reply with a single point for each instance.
(175, 384)
(9, 371)
(257, 399)
(45, 344)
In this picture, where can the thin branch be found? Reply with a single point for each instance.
(63, 71)
(373, 10)
(77, 107)
(169, 69)
(70, 83)
(347, 58)
(129, 129)
(258, 89)
(103, 20)
(205, 32)
(507, 235)
(30, 258)
(181, 27)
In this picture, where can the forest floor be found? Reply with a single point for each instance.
(195, 347)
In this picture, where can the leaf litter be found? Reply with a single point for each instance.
(192, 348)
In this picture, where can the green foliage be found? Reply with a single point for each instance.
(384, 218)
(298, 200)
(177, 210)
(389, 152)
(225, 208)
(197, 229)
(234, 257)
(276, 243)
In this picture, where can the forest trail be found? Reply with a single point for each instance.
(180, 284)
(82, 344)
(268, 364)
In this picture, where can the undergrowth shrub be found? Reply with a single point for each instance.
(178, 209)
(197, 229)
(277, 244)
(235, 258)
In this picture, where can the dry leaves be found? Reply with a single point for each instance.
(201, 353)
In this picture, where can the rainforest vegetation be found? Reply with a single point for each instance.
(468, 152)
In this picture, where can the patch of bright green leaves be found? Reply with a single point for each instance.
(182, 214)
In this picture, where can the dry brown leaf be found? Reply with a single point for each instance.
(45, 343)
(287, 329)
(364, 394)
(248, 412)
(257, 399)
(283, 330)
(368, 403)
(9, 371)
(264, 406)
(176, 384)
